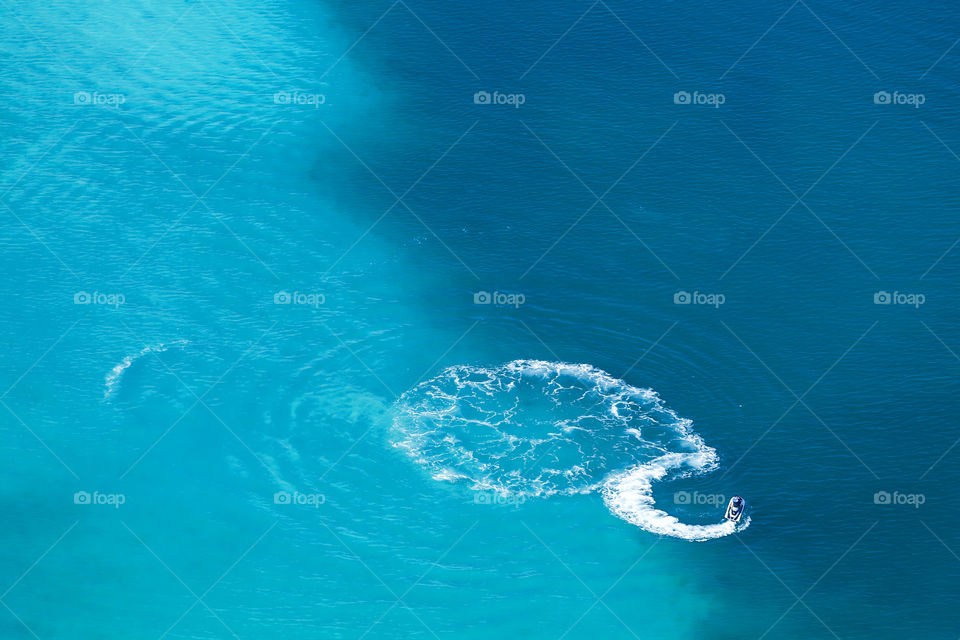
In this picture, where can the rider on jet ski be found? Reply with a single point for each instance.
(734, 509)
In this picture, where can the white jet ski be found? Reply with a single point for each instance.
(735, 509)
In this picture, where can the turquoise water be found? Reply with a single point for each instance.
(252, 388)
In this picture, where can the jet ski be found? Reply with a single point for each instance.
(735, 509)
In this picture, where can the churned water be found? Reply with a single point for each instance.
(384, 320)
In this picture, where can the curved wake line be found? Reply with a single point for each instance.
(534, 428)
(113, 377)
(629, 496)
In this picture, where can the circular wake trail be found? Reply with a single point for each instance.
(533, 428)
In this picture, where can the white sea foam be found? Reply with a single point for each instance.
(533, 428)
(629, 495)
(113, 377)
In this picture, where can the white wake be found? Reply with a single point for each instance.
(114, 375)
(532, 428)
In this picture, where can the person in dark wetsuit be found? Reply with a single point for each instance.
(737, 508)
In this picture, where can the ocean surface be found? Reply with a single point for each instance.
(465, 320)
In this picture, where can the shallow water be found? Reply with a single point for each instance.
(236, 256)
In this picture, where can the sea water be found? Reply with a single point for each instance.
(361, 320)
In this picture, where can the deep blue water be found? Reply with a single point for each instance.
(243, 243)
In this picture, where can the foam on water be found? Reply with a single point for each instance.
(114, 375)
(629, 495)
(533, 428)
